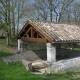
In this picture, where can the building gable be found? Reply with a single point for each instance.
(30, 32)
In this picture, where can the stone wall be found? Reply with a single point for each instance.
(61, 54)
(66, 54)
(67, 60)
(41, 53)
(70, 65)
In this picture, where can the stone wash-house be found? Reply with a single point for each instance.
(49, 32)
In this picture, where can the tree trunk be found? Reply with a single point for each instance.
(50, 4)
(18, 20)
(13, 20)
(9, 24)
(8, 39)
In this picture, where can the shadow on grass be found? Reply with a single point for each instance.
(4, 53)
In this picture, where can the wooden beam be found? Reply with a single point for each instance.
(40, 35)
(32, 32)
(27, 31)
(34, 39)
(27, 36)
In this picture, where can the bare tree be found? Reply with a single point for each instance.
(5, 16)
(76, 13)
(54, 9)
(10, 13)
(40, 9)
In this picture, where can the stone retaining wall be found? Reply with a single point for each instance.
(70, 65)
(67, 60)
(66, 53)
(41, 53)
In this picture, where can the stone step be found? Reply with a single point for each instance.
(39, 64)
(36, 67)
(27, 64)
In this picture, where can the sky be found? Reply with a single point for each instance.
(31, 1)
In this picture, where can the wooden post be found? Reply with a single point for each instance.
(32, 33)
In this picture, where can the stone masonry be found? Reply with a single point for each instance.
(71, 65)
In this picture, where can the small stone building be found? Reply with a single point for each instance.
(50, 33)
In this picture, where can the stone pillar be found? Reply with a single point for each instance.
(51, 53)
(20, 45)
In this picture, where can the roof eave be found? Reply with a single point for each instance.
(68, 41)
(22, 29)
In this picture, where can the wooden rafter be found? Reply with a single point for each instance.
(40, 35)
(22, 29)
(27, 32)
(32, 33)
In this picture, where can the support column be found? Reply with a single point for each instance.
(20, 45)
(51, 53)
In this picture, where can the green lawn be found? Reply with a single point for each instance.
(16, 71)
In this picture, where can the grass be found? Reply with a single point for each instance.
(12, 48)
(16, 71)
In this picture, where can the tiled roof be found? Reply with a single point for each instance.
(58, 32)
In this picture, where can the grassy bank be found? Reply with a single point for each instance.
(16, 71)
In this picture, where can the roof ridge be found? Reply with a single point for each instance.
(62, 23)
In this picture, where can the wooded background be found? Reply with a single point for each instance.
(15, 13)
